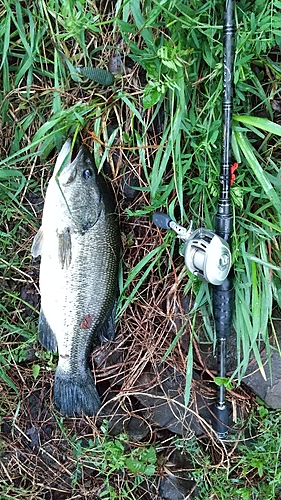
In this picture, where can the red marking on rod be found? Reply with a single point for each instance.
(232, 174)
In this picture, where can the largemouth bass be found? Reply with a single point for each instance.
(79, 244)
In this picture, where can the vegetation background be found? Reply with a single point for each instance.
(140, 82)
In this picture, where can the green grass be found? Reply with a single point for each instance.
(105, 456)
(55, 82)
(251, 471)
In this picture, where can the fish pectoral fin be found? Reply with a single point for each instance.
(65, 253)
(37, 245)
(46, 335)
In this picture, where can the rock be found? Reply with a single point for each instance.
(114, 414)
(131, 181)
(115, 65)
(30, 296)
(175, 488)
(273, 396)
(163, 402)
(33, 435)
(268, 390)
(119, 421)
(137, 429)
(175, 484)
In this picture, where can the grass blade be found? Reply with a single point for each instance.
(258, 171)
(261, 123)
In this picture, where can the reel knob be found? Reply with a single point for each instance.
(207, 256)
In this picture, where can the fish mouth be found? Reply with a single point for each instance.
(67, 162)
(76, 160)
(68, 175)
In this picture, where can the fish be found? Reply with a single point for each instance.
(79, 244)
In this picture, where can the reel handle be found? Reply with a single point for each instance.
(162, 220)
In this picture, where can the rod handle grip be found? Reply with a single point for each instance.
(222, 307)
(221, 420)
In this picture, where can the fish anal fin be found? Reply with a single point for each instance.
(75, 395)
(64, 248)
(46, 335)
(37, 245)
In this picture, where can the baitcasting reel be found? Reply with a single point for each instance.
(206, 255)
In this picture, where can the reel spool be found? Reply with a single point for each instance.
(206, 254)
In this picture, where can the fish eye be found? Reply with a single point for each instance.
(87, 174)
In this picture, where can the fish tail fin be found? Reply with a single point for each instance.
(76, 395)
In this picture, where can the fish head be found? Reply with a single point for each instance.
(80, 187)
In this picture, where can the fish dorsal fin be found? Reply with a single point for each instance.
(37, 245)
(64, 248)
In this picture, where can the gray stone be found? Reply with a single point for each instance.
(116, 416)
(273, 396)
(115, 65)
(175, 488)
(137, 429)
(120, 421)
(269, 389)
(175, 484)
(163, 402)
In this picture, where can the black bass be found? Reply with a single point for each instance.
(79, 244)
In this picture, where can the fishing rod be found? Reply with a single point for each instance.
(207, 253)
(223, 294)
